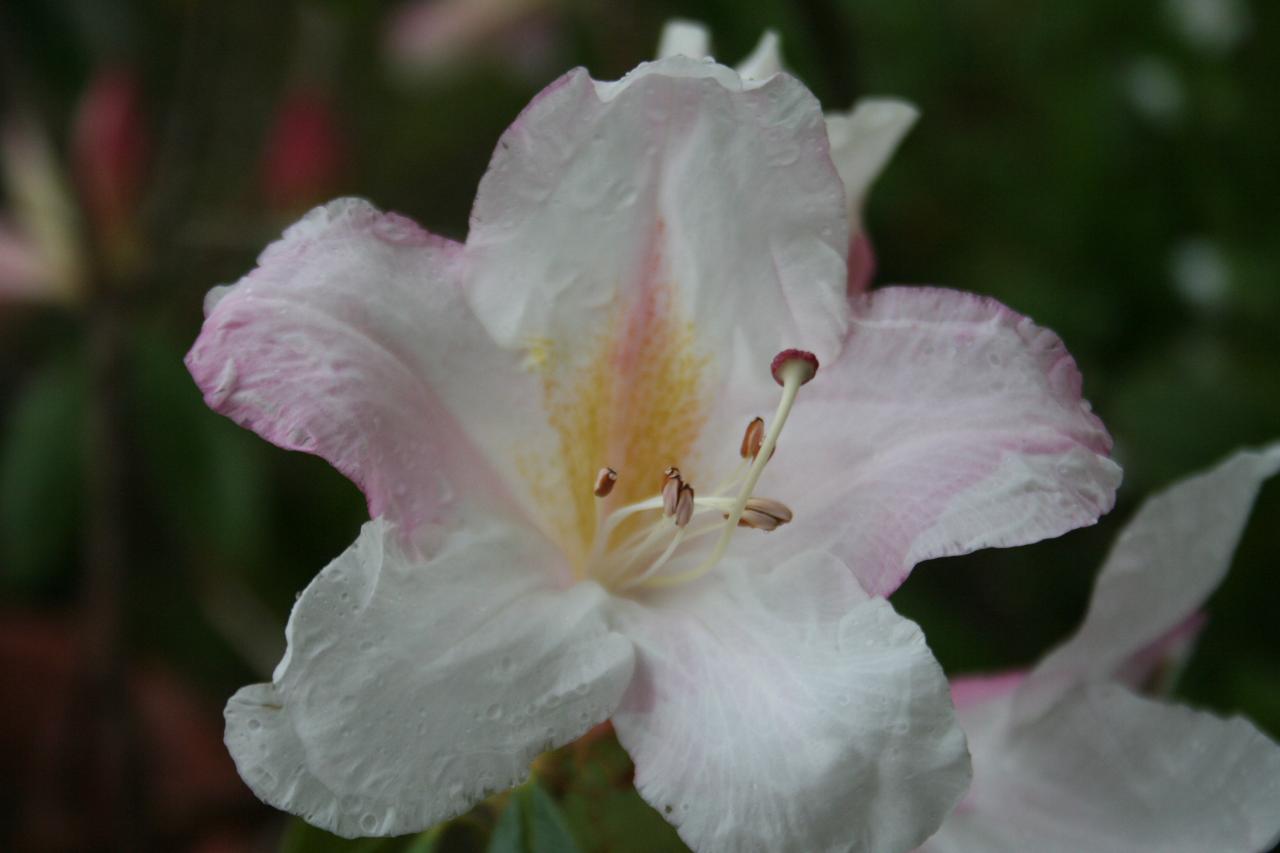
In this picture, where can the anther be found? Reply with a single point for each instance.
(684, 505)
(764, 514)
(671, 491)
(604, 482)
(752, 439)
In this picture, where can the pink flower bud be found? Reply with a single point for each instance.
(110, 148)
(305, 154)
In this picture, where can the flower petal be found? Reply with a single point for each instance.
(970, 690)
(862, 141)
(783, 709)
(683, 38)
(412, 687)
(949, 423)
(764, 61)
(679, 184)
(352, 340)
(1168, 560)
(1107, 770)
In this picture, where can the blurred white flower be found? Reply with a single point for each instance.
(1214, 26)
(1201, 273)
(1154, 89)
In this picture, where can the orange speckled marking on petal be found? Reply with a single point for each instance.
(631, 397)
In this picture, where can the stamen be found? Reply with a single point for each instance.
(791, 369)
(752, 439)
(605, 481)
(671, 491)
(684, 505)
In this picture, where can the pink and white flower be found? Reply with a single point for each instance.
(1068, 757)
(639, 252)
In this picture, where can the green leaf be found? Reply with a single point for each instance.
(42, 476)
(532, 823)
(508, 835)
(548, 831)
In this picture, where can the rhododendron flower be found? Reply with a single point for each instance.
(643, 255)
(862, 139)
(1069, 757)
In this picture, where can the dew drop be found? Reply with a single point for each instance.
(493, 712)
(255, 725)
(369, 822)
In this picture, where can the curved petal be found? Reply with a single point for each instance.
(970, 691)
(352, 340)
(683, 38)
(1107, 770)
(413, 687)
(862, 262)
(679, 190)
(1170, 557)
(862, 141)
(764, 61)
(783, 709)
(949, 423)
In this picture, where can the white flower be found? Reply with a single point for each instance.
(639, 252)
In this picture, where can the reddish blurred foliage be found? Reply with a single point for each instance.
(80, 759)
(110, 148)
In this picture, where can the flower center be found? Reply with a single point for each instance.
(625, 554)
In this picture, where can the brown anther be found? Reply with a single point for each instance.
(672, 471)
(604, 482)
(752, 439)
(764, 514)
(684, 505)
(758, 520)
(769, 506)
(671, 491)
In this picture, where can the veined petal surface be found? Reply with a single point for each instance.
(782, 709)
(949, 423)
(414, 686)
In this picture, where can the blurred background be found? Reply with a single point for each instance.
(1108, 168)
